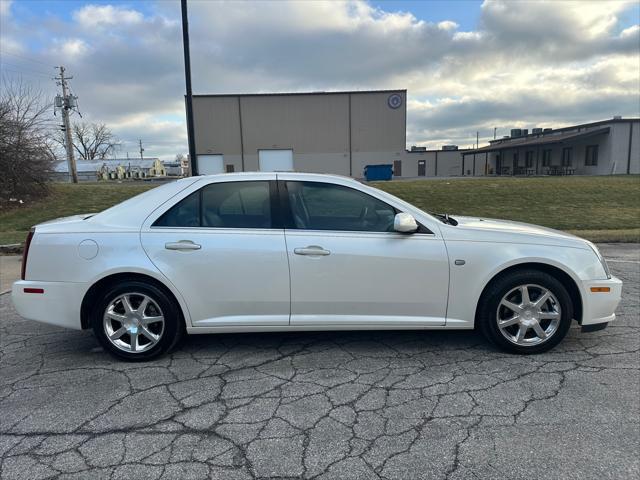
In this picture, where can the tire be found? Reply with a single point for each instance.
(504, 312)
(134, 332)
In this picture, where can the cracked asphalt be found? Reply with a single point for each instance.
(357, 405)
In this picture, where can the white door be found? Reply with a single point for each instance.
(210, 164)
(218, 247)
(349, 268)
(275, 160)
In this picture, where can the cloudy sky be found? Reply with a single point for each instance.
(467, 65)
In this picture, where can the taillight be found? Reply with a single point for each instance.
(27, 243)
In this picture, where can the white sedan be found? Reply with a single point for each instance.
(271, 252)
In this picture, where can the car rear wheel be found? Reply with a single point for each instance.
(136, 321)
(525, 312)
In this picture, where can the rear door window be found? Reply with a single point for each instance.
(222, 205)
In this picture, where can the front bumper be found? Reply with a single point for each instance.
(58, 304)
(600, 307)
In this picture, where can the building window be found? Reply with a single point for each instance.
(529, 159)
(591, 155)
(567, 156)
(230, 168)
(546, 158)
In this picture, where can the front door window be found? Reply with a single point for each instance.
(326, 206)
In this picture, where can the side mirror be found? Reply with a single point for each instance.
(405, 223)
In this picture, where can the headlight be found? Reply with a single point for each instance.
(603, 262)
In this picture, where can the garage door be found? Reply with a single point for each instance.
(275, 160)
(210, 164)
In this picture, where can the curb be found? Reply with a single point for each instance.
(11, 249)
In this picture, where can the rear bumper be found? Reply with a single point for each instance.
(58, 304)
(600, 307)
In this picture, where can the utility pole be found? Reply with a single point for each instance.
(66, 103)
(495, 129)
(477, 139)
(141, 149)
(189, 99)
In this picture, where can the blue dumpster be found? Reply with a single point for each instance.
(378, 172)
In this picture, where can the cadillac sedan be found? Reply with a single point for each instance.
(264, 252)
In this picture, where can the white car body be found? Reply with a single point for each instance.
(252, 280)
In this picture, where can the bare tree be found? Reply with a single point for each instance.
(26, 159)
(92, 141)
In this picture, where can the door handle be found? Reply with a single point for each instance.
(312, 251)
(182, 245)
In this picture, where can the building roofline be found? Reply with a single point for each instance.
(538, 140)
(564, 129)
(438, 150)
(284, 94)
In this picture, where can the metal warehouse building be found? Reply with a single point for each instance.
(322, 132)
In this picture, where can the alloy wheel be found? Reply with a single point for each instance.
(133, 322)
(528, 315)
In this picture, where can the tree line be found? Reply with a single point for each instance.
(31, 142)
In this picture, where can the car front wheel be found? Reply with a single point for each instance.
(525, 312)
(136, 321)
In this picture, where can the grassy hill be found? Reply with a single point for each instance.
(603, 209)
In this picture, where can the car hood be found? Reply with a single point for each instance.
(490, 229)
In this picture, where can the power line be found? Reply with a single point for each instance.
(28, 67)
(12, 68)
(26, 58)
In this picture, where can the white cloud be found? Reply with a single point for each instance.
(72, 48)
(5, 7)
(447, 25)
(631, 32)
(92, 16)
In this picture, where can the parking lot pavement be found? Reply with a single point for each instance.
(396, 405)
(9, 271)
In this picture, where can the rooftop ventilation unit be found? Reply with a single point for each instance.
(516, 132)
(617, 117)
(536, 131)
(525, 131)
(547, 130)
(449, 147)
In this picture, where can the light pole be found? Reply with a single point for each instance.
(189, 99)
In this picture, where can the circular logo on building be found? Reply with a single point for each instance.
(394, 100)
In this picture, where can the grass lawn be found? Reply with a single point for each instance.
(65, 199)
(602, 209)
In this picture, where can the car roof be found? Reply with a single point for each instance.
(283, 174)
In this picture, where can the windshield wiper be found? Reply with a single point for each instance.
(445, 218)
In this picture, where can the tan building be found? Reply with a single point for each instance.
(322, 132)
